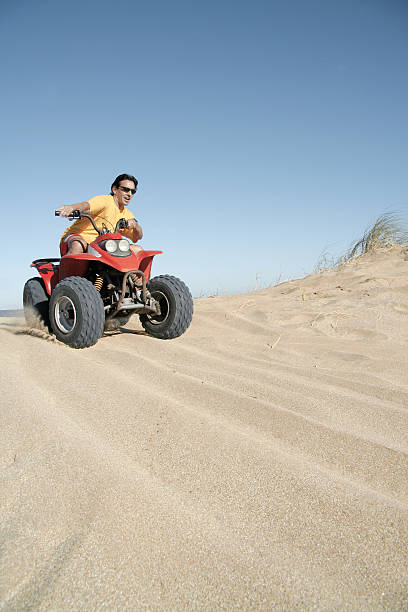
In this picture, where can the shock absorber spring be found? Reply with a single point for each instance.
(98, 282)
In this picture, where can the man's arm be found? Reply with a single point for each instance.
(66, 210)
(137, 230)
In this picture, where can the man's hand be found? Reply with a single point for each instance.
(132, 224)
(66, 210)
(137, 230)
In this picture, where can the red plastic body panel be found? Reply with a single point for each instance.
(145, 260)
(49, 272)
(77, 265)
(74, 265)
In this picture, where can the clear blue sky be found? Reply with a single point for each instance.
(261, 132)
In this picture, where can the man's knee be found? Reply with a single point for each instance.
(76, 247)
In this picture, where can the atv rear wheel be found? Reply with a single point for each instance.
(77, 315)
(36, 302)
(176, 308)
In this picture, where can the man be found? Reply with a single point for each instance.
(105, 210)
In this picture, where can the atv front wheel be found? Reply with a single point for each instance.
(35, 302)
(176, 308)
(77, 315)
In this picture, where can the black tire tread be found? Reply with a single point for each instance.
(92, 311)
(184, 310)
(35, 302)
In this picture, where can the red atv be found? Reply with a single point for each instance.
(78, 296)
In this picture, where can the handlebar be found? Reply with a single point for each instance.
(77, 214)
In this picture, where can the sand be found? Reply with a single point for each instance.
(257, 462)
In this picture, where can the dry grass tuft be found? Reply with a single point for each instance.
(388, 230)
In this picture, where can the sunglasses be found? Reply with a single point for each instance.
(127, 190)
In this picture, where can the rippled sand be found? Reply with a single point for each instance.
(257, 462)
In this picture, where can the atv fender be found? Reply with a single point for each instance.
(74, 265)
(77, 265)
(145, 260)
(49, 272)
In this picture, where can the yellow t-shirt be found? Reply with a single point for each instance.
(104, 211)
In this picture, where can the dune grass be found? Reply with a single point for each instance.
(387, 230)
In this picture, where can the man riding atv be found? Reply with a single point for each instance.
(106, 210)
(101, 279)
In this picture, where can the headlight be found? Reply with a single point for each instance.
(124, 245)
(110, 246)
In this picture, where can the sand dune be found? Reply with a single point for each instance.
(258, 462)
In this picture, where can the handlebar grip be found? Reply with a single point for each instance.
(121, 224)
(76, 214)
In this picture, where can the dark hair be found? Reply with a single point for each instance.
(123, 177)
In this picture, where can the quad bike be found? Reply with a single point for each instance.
(80, 296)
